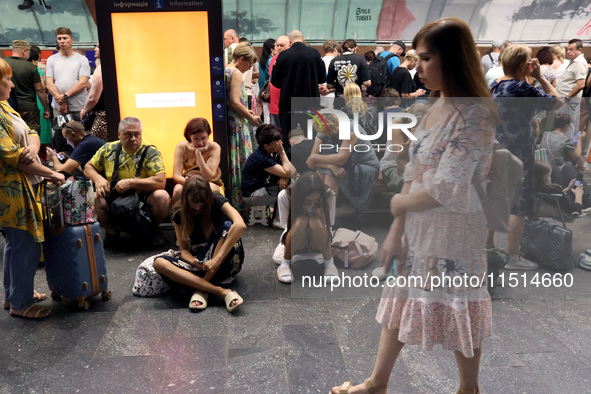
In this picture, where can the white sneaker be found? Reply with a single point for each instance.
(521, 264)
(277, 224)
(378, 273)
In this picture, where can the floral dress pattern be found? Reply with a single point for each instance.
(515, 131)
(240, 143)
(448, 240)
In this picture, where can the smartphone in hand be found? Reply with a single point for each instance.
(576, 138)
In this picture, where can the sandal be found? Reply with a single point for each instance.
(231, 296)
(371, 389)
(198, 296)
(37, 297)
(33, 312)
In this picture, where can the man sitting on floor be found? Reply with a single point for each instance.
(149, 185)
(85, 146)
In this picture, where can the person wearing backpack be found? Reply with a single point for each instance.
(382, 66)
(491, 58)
(347, 67)
(398, 49)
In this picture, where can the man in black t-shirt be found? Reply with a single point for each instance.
(347, 67)
(402, 81)
(85, 146)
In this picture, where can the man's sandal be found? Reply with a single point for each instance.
(200, 297)
(371, 389)
(33, 312)
(232, 296)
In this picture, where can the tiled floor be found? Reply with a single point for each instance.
(279, 342)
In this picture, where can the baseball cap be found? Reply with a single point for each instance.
(20, 44)
(497, 43)
(401, 45)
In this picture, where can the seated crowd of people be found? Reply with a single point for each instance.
(304, 183)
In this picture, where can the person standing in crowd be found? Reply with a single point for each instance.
(348, 67)
(231, 41)
(44, 123)
(515, 132)
(85, 146)
(297, 72)
(331, 50)
(571, 82)
(438, 229)
(558, 63)
(281, 45)
(252, 74)
(95, 105)
(239, 118)
(497, 72)
(21, 217)
(403, 82)
(268, 48)
(397, 49)
(491, 58)
(27, 82)
(67, 75)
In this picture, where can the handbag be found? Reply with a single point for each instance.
(548, 244)
(88, 120)
(265, 93)
(147, 281)
(354, 249)
(127, 210)
(74, 200)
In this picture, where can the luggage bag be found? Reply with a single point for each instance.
(74, 257)
(75, 264)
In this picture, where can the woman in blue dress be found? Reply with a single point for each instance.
(517, 101)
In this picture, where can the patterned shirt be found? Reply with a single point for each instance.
(104, 162)
(18, 208)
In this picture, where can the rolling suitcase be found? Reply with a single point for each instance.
(74, 260)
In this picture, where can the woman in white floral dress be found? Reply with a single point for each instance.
(439, 227)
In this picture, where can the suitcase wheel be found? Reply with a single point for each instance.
(106, 295)
(84, 304)
(55, 296)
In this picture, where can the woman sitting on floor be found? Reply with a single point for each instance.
(574, 199)
(197, 156)
(308, 234)
(208, 230)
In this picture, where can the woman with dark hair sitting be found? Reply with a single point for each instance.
(308, 234)
(198, 155)
(208, 230)
(267, 170)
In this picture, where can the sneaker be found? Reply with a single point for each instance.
(521, 264)
(378, 272)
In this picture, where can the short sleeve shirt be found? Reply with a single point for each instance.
(254, 174)
(558, 146)
(24, 76)
(402, 81)
(577, 69)
(86, 149)
(104, 162)
(393, 62)
(347, 68)
(218, 217)
(66, 71)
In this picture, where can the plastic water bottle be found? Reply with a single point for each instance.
(394, 267)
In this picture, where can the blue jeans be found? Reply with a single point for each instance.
(21, 258)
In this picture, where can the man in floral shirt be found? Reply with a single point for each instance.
(348, 67)
(150, 184)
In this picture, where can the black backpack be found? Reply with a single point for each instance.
(378, 71)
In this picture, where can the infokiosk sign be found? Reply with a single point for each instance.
(163, 63)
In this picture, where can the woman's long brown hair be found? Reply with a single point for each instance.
(196, 190)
